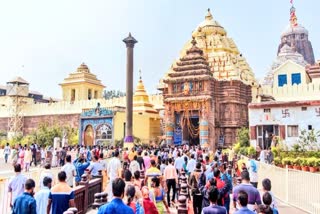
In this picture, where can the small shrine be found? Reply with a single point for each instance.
(96, 126)
(81, 85)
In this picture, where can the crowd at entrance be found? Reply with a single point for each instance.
(217, 182)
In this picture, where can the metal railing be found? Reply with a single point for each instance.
(4, 182)
(297, 188)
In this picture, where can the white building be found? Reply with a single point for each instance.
(283, 119)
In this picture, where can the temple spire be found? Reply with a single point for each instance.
(293, 16)
(140, 75)
(209, 15)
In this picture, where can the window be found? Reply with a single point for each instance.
(73, 94)
(293, 131)
(89, 94)
(309, 127)
(95, 94)
(296, 78)
(303, 108)
(266, 110)
(282, 80)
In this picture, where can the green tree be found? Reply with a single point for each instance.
(243, 137)
(308, 140)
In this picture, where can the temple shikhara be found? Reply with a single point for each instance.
(207, 90)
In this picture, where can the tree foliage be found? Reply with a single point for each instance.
(243, 137)
(308, 140)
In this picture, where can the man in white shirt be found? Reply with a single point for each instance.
(178, 163)
(95, 166)
(16, 184)
(191, 164)
(134, 165)
(6, 152)
(46, 173)
(70, 171)
(43, 195)
(113, 168)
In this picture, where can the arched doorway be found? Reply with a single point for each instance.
(88, 136)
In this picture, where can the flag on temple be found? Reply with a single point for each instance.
(291, 1)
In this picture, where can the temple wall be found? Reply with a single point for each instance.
(76, 107)
(310, 91)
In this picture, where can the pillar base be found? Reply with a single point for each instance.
(128, 142)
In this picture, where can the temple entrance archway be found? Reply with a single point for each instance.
(88, 136)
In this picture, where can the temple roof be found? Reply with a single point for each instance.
(193, 66)
(224, 59)
(141, 101)
(18, 80)
(82, 75)
(294, 27)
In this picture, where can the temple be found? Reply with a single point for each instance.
(198, 107)
(81, 85)
(296, 36)
(207, 90)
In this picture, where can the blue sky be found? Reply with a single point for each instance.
(43, 41)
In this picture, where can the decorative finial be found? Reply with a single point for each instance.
(209, 15)
(293, 17)
(140, 76)
(130, 41)
(193, 42)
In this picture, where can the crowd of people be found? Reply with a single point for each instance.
(218, 182)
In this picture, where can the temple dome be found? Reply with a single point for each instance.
(211, 25)
(83, 68)
(141, 101)
(299, 29)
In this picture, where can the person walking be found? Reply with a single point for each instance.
(70, 171)
(252, 193)
(16, 184)
(61, 196)
(114, 167)
(213, 208)
(34, 154)
(134, 165)
(27, 159)
(26, 203)
(153, 171)
(6, 152)
(171, 178)
(195, 192)
(116, 206)
(46, 173)
(42, 196)
(242, 199)
(253, 172)
(95, 167)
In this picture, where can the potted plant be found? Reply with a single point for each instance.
(277, 161)
(297, 163)
(304, 165)
(287, 161)
(312, 163)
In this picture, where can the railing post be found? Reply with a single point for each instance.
(287, 184)
(85, 182)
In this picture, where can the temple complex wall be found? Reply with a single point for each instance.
(76, 107)
(309, 91)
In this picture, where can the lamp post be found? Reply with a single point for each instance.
(130, 42)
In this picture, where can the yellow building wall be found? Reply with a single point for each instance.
(145, 126)
(81, 91)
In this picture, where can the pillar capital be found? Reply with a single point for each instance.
(130, 41)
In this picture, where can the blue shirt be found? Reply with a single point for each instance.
(42, 200)
(214, 209)
(25, 204)
(244, 210)
(116, 206)
(80, 168)
(60, 201)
